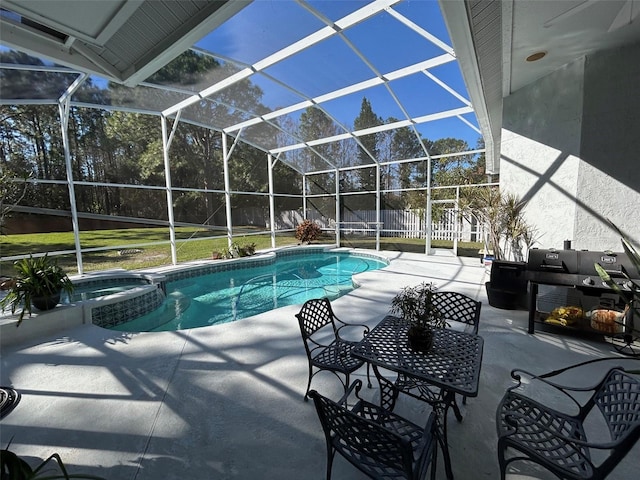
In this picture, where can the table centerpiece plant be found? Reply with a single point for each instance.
(416, 305)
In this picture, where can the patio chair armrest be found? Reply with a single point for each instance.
(357, 386)
(525, 419)
(428, 444)
(345, 325)
(559, 371)
(567, 390)
(429, 428)
(315, 345)
(517, 375)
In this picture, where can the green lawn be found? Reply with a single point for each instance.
(414, 245)
(133, 239)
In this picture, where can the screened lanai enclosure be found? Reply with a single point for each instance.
(352, 114)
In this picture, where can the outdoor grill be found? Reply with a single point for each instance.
(575, 268)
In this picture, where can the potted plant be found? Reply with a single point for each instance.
(308, 231)
(38, 283)
(508, 234)
(415, 304)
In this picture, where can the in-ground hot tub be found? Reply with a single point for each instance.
(96, 295)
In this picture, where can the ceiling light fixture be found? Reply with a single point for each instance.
(536, 56)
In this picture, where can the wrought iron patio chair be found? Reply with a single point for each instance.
(458, 310)
(461, 312)
(560, 441)
(378, 442)
(325, 348)
(9, 399)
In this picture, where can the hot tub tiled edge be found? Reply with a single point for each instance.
(120, 308)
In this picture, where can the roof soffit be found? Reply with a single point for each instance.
(122, 40)
(475, 30)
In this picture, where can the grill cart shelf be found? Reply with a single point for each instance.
(563, 278)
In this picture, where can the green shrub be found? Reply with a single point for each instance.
(237, 250)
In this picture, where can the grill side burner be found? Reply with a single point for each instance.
(617, 265)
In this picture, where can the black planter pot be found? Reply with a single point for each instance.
(46, 302)
(507, 288)
(506, 299)
(420, 339)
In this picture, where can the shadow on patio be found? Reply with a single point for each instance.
(226, 402)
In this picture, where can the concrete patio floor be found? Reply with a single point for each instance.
(225, 402)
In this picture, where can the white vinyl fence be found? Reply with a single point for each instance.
(393, 223)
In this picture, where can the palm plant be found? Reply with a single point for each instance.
(503, 215)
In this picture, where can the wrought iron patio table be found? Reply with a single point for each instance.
(450, 367)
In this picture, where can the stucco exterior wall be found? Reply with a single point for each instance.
(609, 182)
(539, 156)
(570, 144)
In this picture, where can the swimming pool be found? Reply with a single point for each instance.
(235, 293)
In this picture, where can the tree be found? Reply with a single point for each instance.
(31, 135)
(366, 119)
(454, 170)
(314, 124)
(406, 145)
(12, 191)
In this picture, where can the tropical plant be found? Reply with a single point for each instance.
(36, 278)
(415, 304)
(308, 231)
(503, 216)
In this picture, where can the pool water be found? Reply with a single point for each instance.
(235, 294)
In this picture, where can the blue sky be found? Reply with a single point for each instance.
(266, 26)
